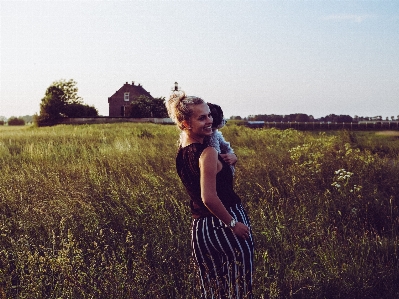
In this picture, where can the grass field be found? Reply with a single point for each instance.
(97, 211)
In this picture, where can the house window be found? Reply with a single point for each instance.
(126, 96)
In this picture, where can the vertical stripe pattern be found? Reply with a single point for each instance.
(225, 261)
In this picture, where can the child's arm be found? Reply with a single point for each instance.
(225, 147)
(226, 150)
(213, 141)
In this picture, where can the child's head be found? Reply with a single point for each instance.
(217, 114)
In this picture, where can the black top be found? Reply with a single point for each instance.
(187, 165)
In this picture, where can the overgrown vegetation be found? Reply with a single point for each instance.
(99, 212)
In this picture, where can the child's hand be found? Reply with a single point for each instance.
(230, 159)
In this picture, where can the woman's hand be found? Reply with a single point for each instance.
(230, 159)
(241, 230)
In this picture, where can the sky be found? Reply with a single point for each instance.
(250, 57)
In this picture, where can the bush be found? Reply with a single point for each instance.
(13, 121)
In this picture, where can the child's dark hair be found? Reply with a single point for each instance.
(217, 115)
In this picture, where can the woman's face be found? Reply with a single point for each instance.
(201, 120)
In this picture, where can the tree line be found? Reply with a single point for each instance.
(301, 117)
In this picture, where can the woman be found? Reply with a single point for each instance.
(221, 234)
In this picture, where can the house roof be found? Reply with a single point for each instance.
(132, 89)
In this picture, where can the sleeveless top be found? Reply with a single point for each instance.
(187, 166)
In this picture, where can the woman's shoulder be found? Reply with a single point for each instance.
(209, 153)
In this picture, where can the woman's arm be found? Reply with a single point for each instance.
(209, 167)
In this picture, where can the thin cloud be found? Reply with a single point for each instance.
(347, 17)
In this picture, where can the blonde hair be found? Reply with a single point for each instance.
(179, 107)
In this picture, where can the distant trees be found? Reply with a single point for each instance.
(27, 118)
(337, 118)
(14, 121)
(144, 106)
(61, 100)
(301, 117)
(298, 117)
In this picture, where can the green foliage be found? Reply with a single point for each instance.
(80, 110)
(69, 90)
(143, 107)
(16, 121)
(61, 100)
(2, 122)
(99, 212)
(53, 104)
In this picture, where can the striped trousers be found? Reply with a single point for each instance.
(225, 261)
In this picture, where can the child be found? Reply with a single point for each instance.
(216, 140)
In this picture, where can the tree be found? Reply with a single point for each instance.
(337, 118)
(61, 100)
(52, 105)
(70, 91)
(144, 106)
(27, 118)
(301, 117)
(159, 108)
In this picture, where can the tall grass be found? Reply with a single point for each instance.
(98, 212)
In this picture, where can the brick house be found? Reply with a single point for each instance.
(122, 98)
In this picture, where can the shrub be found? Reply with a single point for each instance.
(14, 121)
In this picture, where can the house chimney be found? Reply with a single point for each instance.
(176, 86)
(133, 83)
